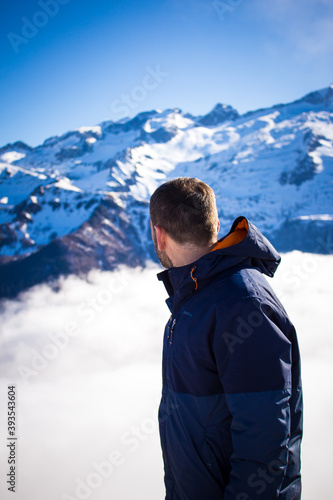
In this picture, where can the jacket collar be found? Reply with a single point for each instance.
(244, 244)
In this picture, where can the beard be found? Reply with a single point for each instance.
(162, 256)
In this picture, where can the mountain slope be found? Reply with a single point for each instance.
(80, 201)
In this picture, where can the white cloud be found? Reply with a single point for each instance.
(306, 26)
(304, 282)
(98, 396)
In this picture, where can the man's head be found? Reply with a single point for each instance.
(184, 211)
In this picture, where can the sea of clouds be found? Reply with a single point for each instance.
(85, 357)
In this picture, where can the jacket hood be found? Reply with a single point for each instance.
(244, 244)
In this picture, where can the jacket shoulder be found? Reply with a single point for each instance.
(241, 284)
(248, 285)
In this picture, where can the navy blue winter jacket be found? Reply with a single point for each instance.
(231, 410)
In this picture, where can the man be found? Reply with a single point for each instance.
(231, 410)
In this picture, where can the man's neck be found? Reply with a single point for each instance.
(184, 255)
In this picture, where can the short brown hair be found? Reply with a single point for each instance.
(186, 209)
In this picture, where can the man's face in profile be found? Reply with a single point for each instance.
(161, 254)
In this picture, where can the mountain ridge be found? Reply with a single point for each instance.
(80, 200)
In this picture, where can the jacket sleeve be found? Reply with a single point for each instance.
(253, 356)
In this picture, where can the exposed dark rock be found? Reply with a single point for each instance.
(8, 235)
(135, 123)
(305, 170)
(219, 114)
(93, 245)
(76, 151)
(16, 146)
(162, 135)
(308, 235)
(44, 265)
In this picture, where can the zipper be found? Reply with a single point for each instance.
(165, 396)
(166, 378)
(171, 330)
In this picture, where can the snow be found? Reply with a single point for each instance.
(66, 184)
(111, 145)
(167, 119)
(17, 183)
(323, 217)
(272, 165)
(12, 156)
(57, 219)
(91, 140)
(96, 130)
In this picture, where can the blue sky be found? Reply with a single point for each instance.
(71, 63)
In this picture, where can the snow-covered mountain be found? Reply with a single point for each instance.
(80, 201)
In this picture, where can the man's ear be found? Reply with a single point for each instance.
(160, 237)
(218, 226)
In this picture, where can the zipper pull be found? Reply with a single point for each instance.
(171, 329)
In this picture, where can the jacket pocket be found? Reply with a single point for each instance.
(217, 458)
